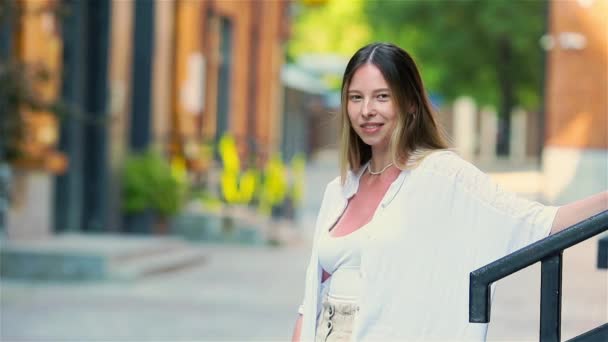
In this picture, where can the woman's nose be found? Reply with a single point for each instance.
(368, 109)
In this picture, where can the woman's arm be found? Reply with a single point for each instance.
(575, 212)
(297, 331)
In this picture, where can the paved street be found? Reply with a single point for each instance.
(239, 294)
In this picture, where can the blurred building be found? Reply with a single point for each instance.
(168, 74)
(312, 104)
(575, 155)
(310, 122)
(30, 36)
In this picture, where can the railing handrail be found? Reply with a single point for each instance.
(482, 278)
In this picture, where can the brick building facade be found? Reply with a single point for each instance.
(575, 156)
(169, 74)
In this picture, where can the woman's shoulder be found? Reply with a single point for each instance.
(446, 162)
(334, 183)
(448, 165)
(331, 196)
(450, 172)
(333, 187)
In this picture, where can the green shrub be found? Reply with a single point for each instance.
(150, 184)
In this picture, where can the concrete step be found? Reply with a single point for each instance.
(237, 227)
(78, 257)
(148, 265)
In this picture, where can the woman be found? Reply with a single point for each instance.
(407, 220)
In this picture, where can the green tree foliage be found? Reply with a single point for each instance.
(335, 27)
(488, 49)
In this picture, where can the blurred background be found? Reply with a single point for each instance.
(162, 162)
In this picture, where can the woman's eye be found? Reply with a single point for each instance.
(383, 97)
(354, 97)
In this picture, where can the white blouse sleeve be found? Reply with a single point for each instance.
(532, 221)
(522, 221)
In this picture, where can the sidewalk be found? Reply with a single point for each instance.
(240, 294)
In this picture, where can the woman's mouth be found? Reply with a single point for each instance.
(370, 128)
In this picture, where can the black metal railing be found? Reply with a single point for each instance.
(602, 252)
(549, 252)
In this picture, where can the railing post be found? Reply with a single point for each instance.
(602, 252)
(551, 298)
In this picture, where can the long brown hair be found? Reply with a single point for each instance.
(416, 133)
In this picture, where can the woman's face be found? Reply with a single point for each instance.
(371, 106)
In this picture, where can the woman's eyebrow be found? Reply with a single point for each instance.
(373, 91)
(381, 90)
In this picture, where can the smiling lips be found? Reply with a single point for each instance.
(371, 127)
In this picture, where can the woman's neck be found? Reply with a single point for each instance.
(380, 159)
(383, 175)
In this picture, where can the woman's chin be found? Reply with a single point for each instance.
(375, 142)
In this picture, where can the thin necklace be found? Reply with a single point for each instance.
(369, 168)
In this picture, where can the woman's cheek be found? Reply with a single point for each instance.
(352, 110)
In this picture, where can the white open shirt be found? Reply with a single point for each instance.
(435, 224)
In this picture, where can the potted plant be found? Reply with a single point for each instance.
(152, 192)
